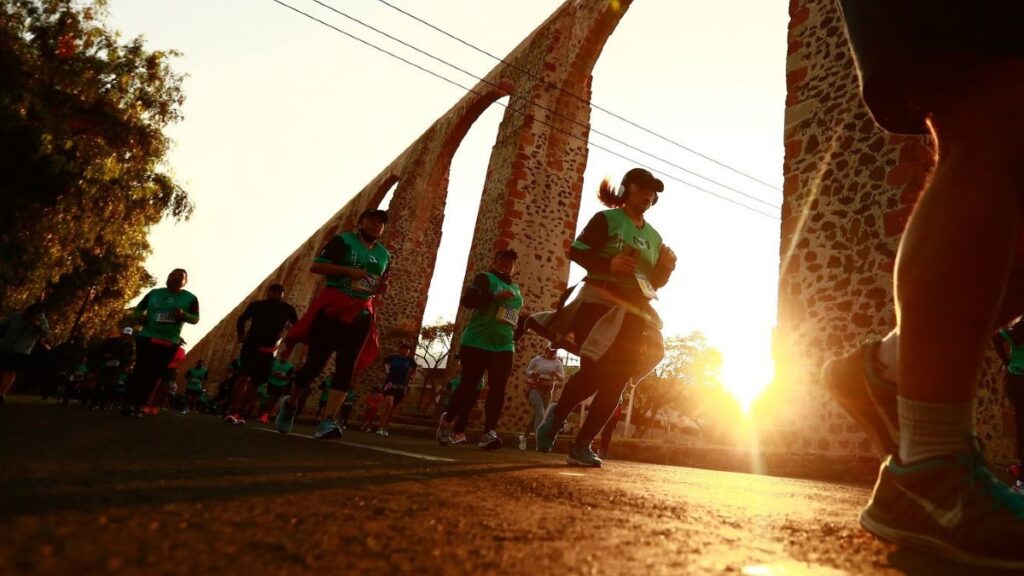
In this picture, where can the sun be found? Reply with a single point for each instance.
(746, 371)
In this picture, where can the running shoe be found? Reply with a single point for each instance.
(854, 381)
(239, 419)
(459, 438)
(264, 418)
(951, 506)
(383, 432)
(1018, 486)
(444, 431)
(327, 429)
(548, 430)
(490, 441)
(230, 419)
(582, 457)
(285, 420)
(522, 442)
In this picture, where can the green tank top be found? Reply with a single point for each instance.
(1016, 365)
(623, 234)
(348, 250)
(491, 327)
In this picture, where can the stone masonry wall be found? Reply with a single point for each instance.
(849, 190)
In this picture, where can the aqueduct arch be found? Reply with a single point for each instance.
(531, 195)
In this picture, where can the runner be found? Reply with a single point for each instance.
(267, 319)
(543, 374)
(1009, 344)
(19, 333)
(341, 320)
(487, 346)
(954, 70)
(373, 402)
(281, 374)
(398, 370)
(611, 324)
(195, 379)
(163, 312)
(115, 357)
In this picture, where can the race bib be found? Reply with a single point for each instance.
(366, 284)
(646, 287)
(508, 315)
(166, 318)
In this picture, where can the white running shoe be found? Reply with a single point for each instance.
(522, 442)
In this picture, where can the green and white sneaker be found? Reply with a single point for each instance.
(547, 432)
(326, 430)
(951, 506)
(582, 456)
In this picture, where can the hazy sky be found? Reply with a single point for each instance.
(286, 119)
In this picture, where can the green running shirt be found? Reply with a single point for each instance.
(347, 249)
(158, 307)
(622, 234)
(492, 326)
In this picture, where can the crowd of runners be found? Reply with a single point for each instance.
(608, 323)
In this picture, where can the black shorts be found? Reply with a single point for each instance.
(911, 52)
(193, 393)
(255, 364)
(12, 361)
(397, 393)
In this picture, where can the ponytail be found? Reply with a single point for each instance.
(606, 194)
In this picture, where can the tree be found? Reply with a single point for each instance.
(433, 349)
(688, 374)
(82, 119)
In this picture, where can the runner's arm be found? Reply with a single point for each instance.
(242, 319)
(478, 293)
(584, 249)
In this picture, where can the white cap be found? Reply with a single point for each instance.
(127, 330)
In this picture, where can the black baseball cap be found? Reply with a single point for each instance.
(374, 213)
(643, 179)
(506, 254)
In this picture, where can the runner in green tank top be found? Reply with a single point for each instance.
(626, 263)
(1009, 344)
(163, 312)
(487, 346)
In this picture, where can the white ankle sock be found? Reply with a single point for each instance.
(928, 429)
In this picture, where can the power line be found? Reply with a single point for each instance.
(542, 107)
(566, 132)
(582, 99)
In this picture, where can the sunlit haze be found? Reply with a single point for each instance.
(285, 120)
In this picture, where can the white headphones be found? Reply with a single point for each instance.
(620, 192)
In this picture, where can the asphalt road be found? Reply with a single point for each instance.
(96, 493)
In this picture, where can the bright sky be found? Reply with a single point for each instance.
(286, 119)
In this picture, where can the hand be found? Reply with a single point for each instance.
(667, 258)
(383, 286)
(624, 262)
(358, 274)
(179, 313)
(504, 295)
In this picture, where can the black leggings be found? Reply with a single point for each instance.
(331, 336)
(475, 361)
(605, 379)
(1015, 393)
(151, 361)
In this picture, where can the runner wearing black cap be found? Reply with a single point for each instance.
(611, 324)
(487, 346)
(341, 319)
(266, 318)
(163, 311)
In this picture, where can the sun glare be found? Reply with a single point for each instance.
(746, 372)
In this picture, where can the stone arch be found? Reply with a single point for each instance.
(528, 163)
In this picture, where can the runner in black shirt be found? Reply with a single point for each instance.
(267, 319)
